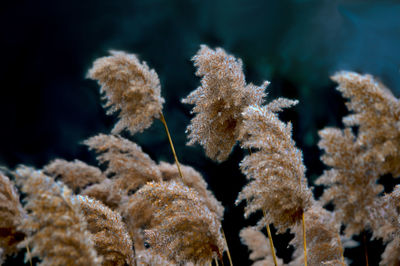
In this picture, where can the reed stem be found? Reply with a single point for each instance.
(365, 248)
(227, 248)
(271, 243)
(162, 118)
(341, 249)
(29, 254)
(304, 239)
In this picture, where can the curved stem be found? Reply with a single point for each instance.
(271, 243)
(227, 248)
(171, 144)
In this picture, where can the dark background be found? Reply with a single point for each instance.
(48, 107)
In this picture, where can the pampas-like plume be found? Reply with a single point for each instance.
(323, 240)
(109, 233)
(219, 101)
(130, 87)
(194, 180)
(351, 181)
(147, 258)
(106, 192)
(377, 115)
(258, 245)
(55, 225)
(276, 170)
(386, 225)
(11, 215)
(128, 165)
(182, 228)
(76, 174)
(357, 161)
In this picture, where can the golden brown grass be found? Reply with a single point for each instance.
(132, 210)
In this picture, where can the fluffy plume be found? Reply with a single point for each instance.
(109, 233)
(147, 258)
(357, 161)
(194, 180)
(276, 170)
(351, 181)
(137, 213)
(377, 115)
(182, 227)
(386, 225)
(128, 165)
(106, 192)
(259, 246)
(323, 239)
(76, 174)
(11, 215)
(56, 225)
(219, 102)
(130, 87)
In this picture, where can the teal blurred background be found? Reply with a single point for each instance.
(47, 106)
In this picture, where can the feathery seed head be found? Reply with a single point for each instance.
(276, 170)
(55, 225)
(11, 215)
(131, 88)
(219, 102)
(181, 227)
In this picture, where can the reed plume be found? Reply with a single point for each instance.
(194, 180)
(358, 161)
(275, 170)
(131, 88)
(76, 174)
(182, 228)
(11, 215)
(126, 163)
(108, 233)
(323, 240)
(219, 102)
(376, 113)
(55, 224)
(106, 192)
(351, 181)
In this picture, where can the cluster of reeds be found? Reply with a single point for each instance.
(135, 211)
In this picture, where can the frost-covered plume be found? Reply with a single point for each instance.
(219, 102)
(181, 227)
(56, 226)
(275, 167)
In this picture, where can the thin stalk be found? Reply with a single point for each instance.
(365, 248)
(227, 248)
(340, 248)
(271, 243)
(29, 254)
(304, 239)
(303, 223)
(171, 144)
(216, 261)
